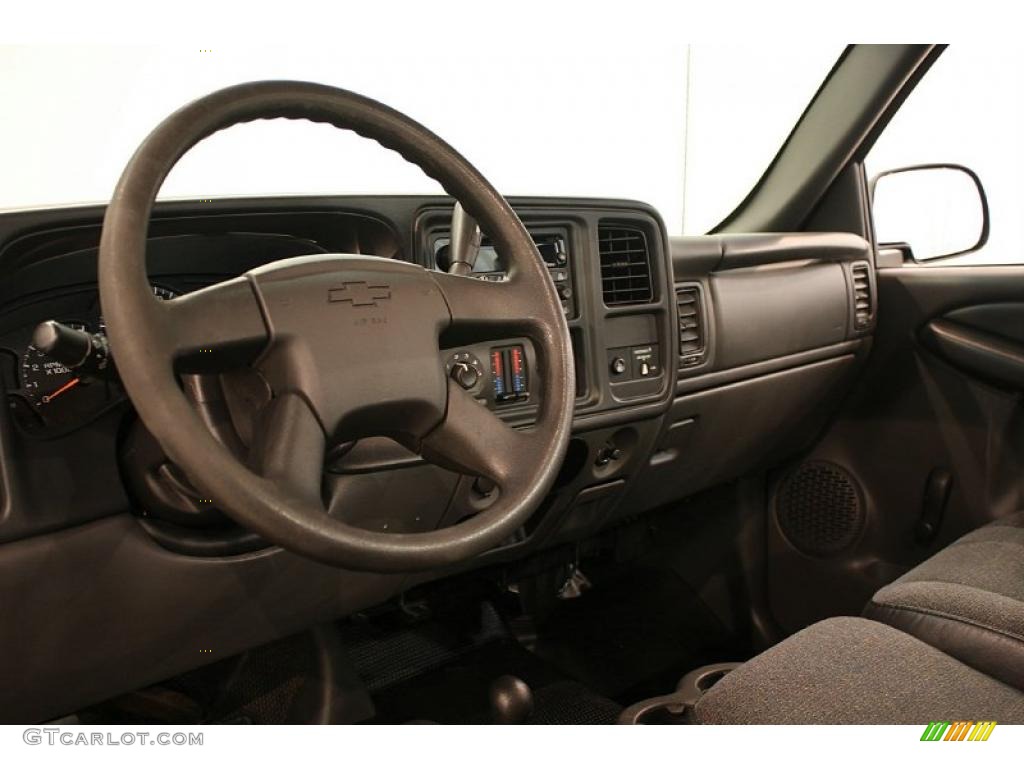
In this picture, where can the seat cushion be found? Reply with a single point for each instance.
(967, 600)
(854, 671)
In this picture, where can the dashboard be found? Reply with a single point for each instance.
(697, 360)
(620, 318)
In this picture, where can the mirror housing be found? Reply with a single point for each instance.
(934, 211)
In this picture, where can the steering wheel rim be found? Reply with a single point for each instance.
(273, 318)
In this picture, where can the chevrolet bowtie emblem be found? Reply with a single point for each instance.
(360, 294)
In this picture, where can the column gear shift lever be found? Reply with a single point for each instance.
(465, 244)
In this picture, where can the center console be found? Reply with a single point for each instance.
(608, 263)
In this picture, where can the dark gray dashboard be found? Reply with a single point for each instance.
(731, 361)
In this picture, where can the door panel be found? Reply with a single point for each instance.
(986, 356)
(941, 396)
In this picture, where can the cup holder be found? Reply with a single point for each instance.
(697, 682)
(677, 707)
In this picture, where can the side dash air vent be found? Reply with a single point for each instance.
(692, 336)
(625, 266)
(863, 301)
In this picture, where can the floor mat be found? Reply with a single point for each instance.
(260, 686)
(457, 692)
(570, 703)
(634, 636)
(386, 654)
(628, 638)
(441, 671)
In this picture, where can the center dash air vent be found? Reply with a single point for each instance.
(862, 299)
(692, 338)
(625, 266)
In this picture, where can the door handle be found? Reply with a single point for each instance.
(978, 352)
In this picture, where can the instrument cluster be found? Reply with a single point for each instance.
(46, 396)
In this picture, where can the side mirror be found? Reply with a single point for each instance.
(930, 211)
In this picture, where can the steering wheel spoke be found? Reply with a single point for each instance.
(289, 448)
(474, 440)
(217, 327)
(488, 310)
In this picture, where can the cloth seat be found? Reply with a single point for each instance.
(851, 670)
(967, 600)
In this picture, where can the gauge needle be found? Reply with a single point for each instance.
(53, 395)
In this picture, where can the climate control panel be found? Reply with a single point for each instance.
(496, 375)
(509, 376)
(465, 369)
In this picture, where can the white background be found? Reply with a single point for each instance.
(968, 109)
(667, 125)
(687, 128)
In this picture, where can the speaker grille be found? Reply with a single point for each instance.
(819, 508)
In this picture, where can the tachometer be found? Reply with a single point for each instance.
(57, 393)
(61, 397)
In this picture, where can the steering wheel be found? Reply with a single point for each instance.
(349, 345)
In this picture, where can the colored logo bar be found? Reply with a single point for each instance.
(958, 730)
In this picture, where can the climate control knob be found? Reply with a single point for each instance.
(465, 375)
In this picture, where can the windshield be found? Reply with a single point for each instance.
(688, 130)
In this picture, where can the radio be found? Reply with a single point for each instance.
(553, 248)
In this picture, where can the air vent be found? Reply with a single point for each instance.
(625, 266)
(692, 339)
(862, 299)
